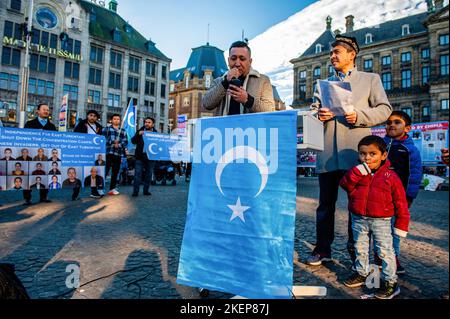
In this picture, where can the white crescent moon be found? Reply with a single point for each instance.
(95, 140)
(150, 149)
(130, 115)
(243, 152)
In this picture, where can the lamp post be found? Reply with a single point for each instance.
(26, 68)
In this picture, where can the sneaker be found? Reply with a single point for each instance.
(75, 199)
(95, 196)
(45, 201)
(113, 192)
(400, 269)
(387, 291)
(355, 280)
(101, 192)
(147, 194)
(27, 203)
(316, 260)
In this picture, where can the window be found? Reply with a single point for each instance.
(9, 81)
(318, 48)
(53, 41)
(77, 48)
(32, 86)
(41, 87)
(208, 80)
(164, 72)
(405, 29)
(406, 57)
(42, 66)
(425, 75)
(96, 54)
(425, 53)
(369, 38)
(45, 38)
(387, 81)
(386, 60)
(426, 111)
(186, 101)
(95, 76)
(71, 70)
(16, 5)
(302, 74)
(134, 64)
(72, 91)
(9, 29)
(317, 72)
(133, 84)
(406, 79)
(408, 111)
(150, 69)
(50, 91)
(302, 91)
(443, 39)
(94, 97)
(11, 57)
(368, 64)
(330, 70)
(444, 104)
(113, 100)
(163, 91)
(150, 88)
(116, 60)
(163, 110)
(114, 80)
(444, 64)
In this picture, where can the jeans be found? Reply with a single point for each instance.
(113, 162)
(43, 193)
(383, 243)
(329, 188)
(396, 239)
(140, 166)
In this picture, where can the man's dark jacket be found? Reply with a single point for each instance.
(138, 140)
(82, 127)
(35, 124)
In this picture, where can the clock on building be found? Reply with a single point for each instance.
(46, 18)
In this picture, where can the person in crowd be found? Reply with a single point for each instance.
(18, 184)
(38, 184)
(376, 195)
(100, 161)
(25, 156)
(90, 125)
(242, 89)
(41, 122)
(95, 182)
(55, 156)
(116, 144)
(143, 165)
(407, 163)
(342, 134)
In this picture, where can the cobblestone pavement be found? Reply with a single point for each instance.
(131, 246)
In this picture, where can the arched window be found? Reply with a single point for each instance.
(405, 29)
(369, 38)
(318, 48)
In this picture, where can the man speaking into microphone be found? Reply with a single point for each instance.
(242, 89)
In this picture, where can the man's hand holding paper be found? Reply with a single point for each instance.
(337, 100)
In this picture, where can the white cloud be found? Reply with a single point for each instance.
(273, 49)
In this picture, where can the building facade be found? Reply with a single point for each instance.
(410, 55)
(86, 50)
(189, 84)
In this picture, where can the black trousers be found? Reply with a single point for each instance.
(329, 188)
(43, 193)
(113, 162)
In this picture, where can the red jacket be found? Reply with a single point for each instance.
(379, 195)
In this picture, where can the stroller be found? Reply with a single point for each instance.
(164, 173)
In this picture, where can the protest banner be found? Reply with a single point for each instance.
(239, 234)
(45, 159)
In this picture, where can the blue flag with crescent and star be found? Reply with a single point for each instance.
(129, 123)
(239, 233)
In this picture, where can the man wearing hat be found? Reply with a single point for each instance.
(342, 135)
(89, 126)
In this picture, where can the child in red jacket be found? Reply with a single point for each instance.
(376, 194)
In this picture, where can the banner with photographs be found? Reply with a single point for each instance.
(429, 138)
(39, 159)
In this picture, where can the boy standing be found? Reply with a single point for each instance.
(375, 196)
(406, 162)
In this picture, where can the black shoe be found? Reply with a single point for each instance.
(27, 203)
(75, 199)
(400, 270)
(135, 195)
(317, 259)
(45, 201)
(355, 280)
(387, 291)
(147, 194)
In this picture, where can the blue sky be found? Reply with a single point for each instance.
(177, 26)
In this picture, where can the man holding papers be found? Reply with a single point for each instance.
(349, 104)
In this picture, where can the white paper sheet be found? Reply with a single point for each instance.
(336, 96)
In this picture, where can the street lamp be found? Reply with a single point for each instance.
(26, 68)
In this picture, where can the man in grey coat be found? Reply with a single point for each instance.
(342, 135)
(242, 89)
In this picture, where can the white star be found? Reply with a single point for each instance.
(238, 210)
